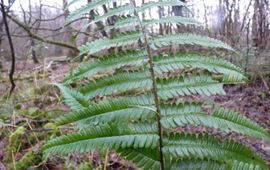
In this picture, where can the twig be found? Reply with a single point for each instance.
(13, 157)
(38, 130)
(31, 128)
(35, 122)
(42, 39)
(12, 70)
(106, 159)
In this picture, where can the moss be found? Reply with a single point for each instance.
(50, 126)
(29, 159)
(19, 131)
(84, 166)
(43, 89)
(15, 142)
(30, 112)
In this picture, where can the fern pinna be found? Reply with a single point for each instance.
(133, 101)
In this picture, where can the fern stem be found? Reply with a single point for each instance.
(154, 84)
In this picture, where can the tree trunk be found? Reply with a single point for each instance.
(161, 14)
(178, 11)
(68, 37)
(33, 51)
(260, 25)
(1, 33)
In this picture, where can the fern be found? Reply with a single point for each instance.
(119, 83)
(188, 39)
(231, 73)
(125, 9)
(207, 147)
(107, 63)
(172, 20)
(122, 39)
(104, 137)
(198, 165)
(130, 21)
(74, 99)
(134, 101)
(144, 158)
(115, 107)
(226, 123)
(163, 3)
(186, 86)
(85, 9)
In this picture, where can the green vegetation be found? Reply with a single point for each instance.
(137, 111)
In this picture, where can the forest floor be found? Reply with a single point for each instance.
(25, 118)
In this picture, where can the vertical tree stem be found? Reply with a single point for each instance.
(12, 70)
(154, 84)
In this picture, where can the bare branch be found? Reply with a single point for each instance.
(12, 70)
(42, 39)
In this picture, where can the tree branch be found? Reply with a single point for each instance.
(12, 70)
(42, 39)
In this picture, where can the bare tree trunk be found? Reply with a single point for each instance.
(248, 49)
(111, 21)
(1, 31)
(260, 25)
(28, 23)
(178, 11)
(68, 33)
(161, 14)
(33, 51)
(88, 29)
(221, 18)
(91, 17)
(32, 41)
(206, 19)
(12, 70)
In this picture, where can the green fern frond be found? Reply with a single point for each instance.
(107, 63)
(144, 158)
(168, 63)
(123, 39)
(134, 112)
(124, 115)
(188, 39)
(198, 165)
(74, 99)
(189, 85)
(235, 165)
(236, 118)
(85, 9)
(123, 22)
(132, 21)
(212, 165)
(113, 108)
(119, 83)
(121, 10)
(161, 3)
(105, 137)
(139, 127)
(203, 147)
(172, 20)
(180, 108)
(220, 120)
